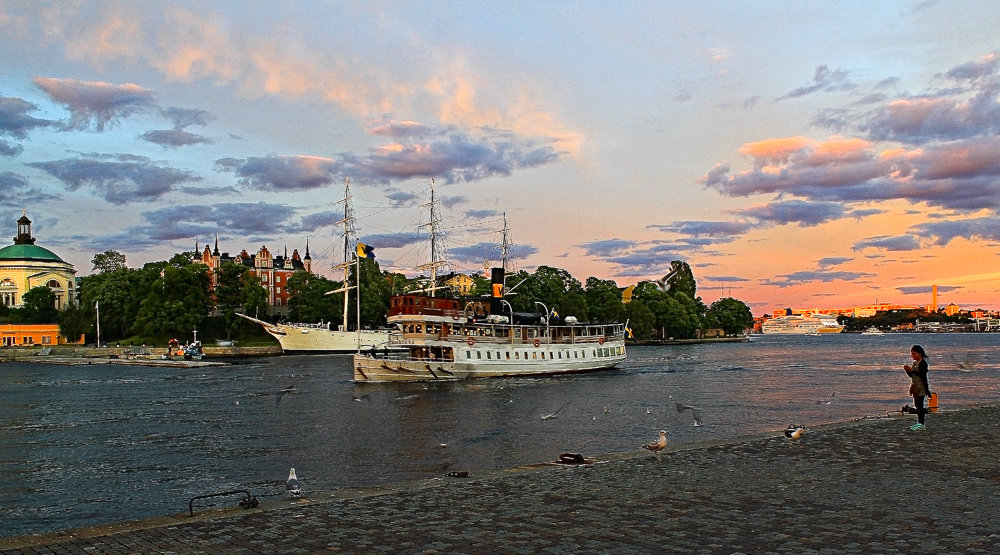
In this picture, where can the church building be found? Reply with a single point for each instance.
(25, 265)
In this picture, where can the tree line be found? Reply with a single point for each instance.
(173, 297)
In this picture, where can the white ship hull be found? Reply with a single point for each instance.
(801, 325)
(481, 361)
(316, 338)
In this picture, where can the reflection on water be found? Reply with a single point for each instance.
(82, 445)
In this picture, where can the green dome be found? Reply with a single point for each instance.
(28, 252)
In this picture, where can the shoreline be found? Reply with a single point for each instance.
(853, 470)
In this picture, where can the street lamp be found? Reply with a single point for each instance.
(548, 335)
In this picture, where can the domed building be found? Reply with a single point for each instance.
(25, 265)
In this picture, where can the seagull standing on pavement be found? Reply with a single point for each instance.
(794, 433)
(658, 445)
(292, 485)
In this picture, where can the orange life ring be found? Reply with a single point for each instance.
(537, 342)
(471, 341)
(600, 341)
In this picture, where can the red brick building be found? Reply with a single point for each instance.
(273, 271)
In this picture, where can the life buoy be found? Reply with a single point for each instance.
(600, 341)
(471, 341)
(537, 342)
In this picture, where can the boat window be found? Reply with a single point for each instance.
(489, 355)
(468, 354)
(479, 354)
(508, 355)
(534, 356)
(517, 356)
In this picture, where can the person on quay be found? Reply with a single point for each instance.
(919, 387)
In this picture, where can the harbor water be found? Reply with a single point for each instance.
(98, 443)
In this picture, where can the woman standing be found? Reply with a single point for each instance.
(919, 388)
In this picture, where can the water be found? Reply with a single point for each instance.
(83, 445)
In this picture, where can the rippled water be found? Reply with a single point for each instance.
(82, 445)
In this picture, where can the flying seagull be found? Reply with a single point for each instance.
(828, 399)
(695, 412)
(292, 485)
(658, 445)
(283, 392)
(553, 415)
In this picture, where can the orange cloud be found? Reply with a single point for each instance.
(775, 150)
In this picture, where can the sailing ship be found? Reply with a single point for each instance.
(321, 337)
(440, 339)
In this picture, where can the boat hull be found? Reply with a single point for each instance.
(472, 362)
(305, 338)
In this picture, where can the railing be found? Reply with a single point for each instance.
(249, 501)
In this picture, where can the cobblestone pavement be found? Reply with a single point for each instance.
(869, 486)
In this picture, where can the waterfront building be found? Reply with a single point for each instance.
(272, 271)
(25, 265)
(460, 283)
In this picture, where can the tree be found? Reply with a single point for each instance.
(733, 316)
(108, 261)
(308, 299)
(604, 301)
(38, 306)
(74, 322)
(375, 294)
(177, 303)
(237, 290)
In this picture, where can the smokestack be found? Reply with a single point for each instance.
(934, 298)
(496, 279)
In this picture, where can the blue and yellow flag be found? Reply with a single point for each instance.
(554, 313)
(366, 251)
(628, 333)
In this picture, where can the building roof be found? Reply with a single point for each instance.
(28, 252)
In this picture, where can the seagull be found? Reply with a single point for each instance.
(283, 392)
(553, 415)
(658, 445)
(360, 398)
(793, 433)
(292, 485)
(828, 399)
(695, 412)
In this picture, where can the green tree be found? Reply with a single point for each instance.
(309, 300)
(733, 316)
(604, 301)
(641, 320)
(177, 304)
(119, 293)
(38, 306)
(74, 322)
(237, 290)
(108, 261)
(375, 294)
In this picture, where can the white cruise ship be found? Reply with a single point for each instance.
(802, 325)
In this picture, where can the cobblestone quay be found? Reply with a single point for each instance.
(868, 486)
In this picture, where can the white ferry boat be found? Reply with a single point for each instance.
(813, 324)
(443, 340)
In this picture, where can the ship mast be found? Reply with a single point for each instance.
(435, 221)
(348, 234)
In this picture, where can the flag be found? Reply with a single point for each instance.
(628, 333)
(365, 251)
(554, 313)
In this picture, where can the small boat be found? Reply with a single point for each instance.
(873, 331)
(191, 351)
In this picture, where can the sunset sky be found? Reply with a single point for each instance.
(794, 153)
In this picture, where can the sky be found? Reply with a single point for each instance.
(794, 153)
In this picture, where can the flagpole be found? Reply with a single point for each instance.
(357, 285)
(97, 307)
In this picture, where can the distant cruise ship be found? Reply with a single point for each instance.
(797, 324)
